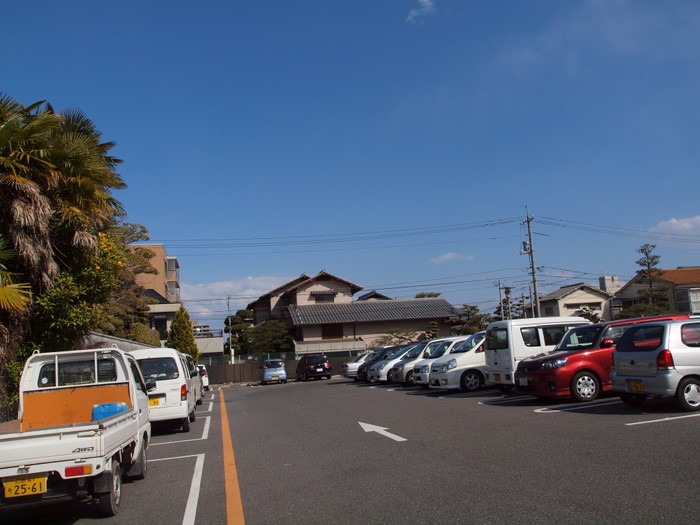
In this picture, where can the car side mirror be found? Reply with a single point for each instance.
(150, 384)
(607, 343)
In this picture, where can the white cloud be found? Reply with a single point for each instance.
(210, 303)
(686, 226)
(622, 28)
(425, 7)
(451, 256)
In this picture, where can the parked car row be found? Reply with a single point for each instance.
(554, 357)
(179, 385)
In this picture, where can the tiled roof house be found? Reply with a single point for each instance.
(682, 285)
(322, 315)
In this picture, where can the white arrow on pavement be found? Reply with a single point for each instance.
(380, 430)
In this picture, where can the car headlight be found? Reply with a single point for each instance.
(452, 363)
(425, 369)
(555, 363)
(381, 367)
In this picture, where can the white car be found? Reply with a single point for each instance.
(402, 371)
(349, 369)
(436, 348)
(464, 367)
(205, 376)
(379, 371)
(173, 399)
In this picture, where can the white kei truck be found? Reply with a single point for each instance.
(82, 425)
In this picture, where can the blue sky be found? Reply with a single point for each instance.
(393, 143)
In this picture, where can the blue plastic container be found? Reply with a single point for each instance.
(106, 410)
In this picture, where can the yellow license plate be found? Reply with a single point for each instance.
(153, 401)
(275, 378)
(635, 386)
(496, 377)
(25, 486)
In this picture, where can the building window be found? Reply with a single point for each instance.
(332, 331)
(688, 300)
(324, 298)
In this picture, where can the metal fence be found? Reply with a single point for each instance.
(249, 371)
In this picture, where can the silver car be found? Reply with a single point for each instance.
(661, 359)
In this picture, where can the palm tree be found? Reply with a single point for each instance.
(25, 173)
(14, 297)
(82, 197)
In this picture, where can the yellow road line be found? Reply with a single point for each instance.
(234, 505)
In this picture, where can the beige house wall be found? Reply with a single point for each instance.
(576, 300)
(370, 332)
(305, 297)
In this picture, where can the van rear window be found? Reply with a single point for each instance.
(641, 339)
(497, 339)
(159, 368)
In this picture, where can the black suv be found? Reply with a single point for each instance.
(313, 366)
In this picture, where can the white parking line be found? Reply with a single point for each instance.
(578, 406)
(505, 400)
(664, 420)
(205, 435)
(193, 497)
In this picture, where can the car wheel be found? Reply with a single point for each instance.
(471, 380)
(141, 464)
(688, 395)
(585, 387)
(109, 501)
(410, 380)
(186, 424)
(633, 400)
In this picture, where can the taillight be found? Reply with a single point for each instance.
(664, 360)
(81, 470)
(310, 367)
(183, 393)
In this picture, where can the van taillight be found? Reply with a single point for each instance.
(664, 360)
(183, 393)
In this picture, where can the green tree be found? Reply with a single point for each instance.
(238, 326)
(424, 295)
(268, 337)
(649, 274)
(14, 300)
(589, 314)
(181, 335)
(126, 313)
(473, 320)
(433, 330)
(14, 297)
(396, 336)
(56, 183)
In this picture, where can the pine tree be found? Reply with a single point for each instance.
(181, 336)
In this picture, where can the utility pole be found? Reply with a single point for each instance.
(529, 249)
(230, 331)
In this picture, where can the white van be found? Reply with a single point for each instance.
(462, 368)
(511, 340)
(434, 350)
(174, 396)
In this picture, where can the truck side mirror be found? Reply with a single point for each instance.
(150, 384)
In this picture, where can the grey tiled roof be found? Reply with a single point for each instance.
(566, 290)
(371, 311)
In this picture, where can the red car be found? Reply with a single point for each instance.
(580, 364)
